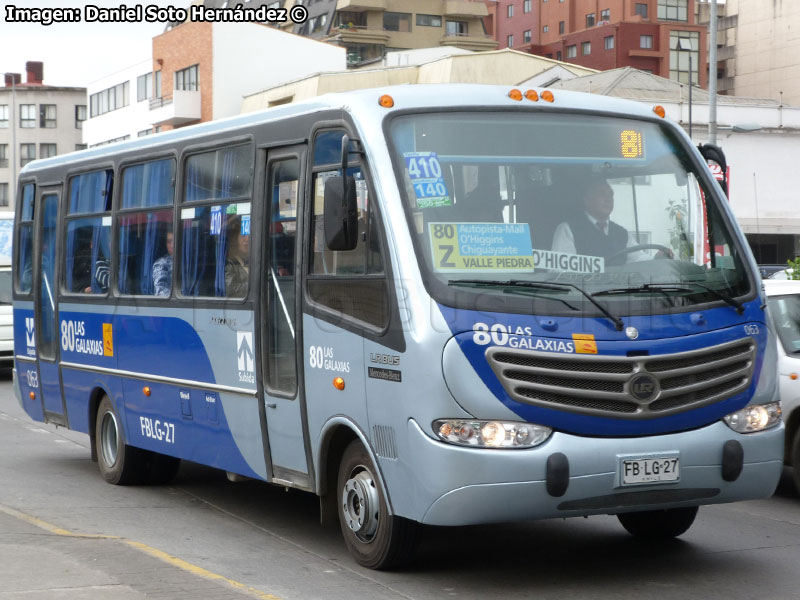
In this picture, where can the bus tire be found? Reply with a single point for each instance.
(659, 524)
(376, 539)
(795, 458)
(119, 463)
(162, 468)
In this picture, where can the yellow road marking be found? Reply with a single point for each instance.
(149, 550)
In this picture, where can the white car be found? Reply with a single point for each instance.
(783, 298)
(6, 317)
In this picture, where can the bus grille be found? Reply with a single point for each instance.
(640, 387)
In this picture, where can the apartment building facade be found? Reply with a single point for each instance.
(36, 121)
(658, 36)
(199, 72)
(758, 48)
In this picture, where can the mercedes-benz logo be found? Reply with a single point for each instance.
(644, 387)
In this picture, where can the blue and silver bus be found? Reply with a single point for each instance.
(442, 305)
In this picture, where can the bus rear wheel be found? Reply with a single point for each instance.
(376, 539)
(659, 524)
(119, 463)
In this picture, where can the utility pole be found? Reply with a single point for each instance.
(12, 117)
(712, 74)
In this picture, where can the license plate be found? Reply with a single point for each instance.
(650, 470)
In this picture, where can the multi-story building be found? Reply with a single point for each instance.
(368, 29)
(757, 48)
(36, 121)
(198, 72)
(658, 36)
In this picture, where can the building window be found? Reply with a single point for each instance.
(605, 14)
(455, 28)
(608, 42)
(546, 28)
(3, 116)
(47, 116)
(109, 99)
(679, 59)
(144, 87)
(589, 20)
(646, 42)
(641, 9)
(673, 10)
(47, 150)
(510, 11)
(27, 116)
(526, 35)
(510, 41)
(145, 132)
(572, 51)
(80, 115)
(429, 20)
(3, 194)
(393, 21)
(561, 27)
(3, 155)
(558, 54)
(526, 6)
(80, 147)
(186, 79)
(586, 48)
(27, 153)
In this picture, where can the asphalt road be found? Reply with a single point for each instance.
(66, 534)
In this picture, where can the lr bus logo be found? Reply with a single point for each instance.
(30, 336)
(643, 387)
(245, 357)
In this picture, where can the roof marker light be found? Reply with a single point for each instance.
(532, 95)
(547, 96)
(386, 101)
(515, 94)
(660, 111)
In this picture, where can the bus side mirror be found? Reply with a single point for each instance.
(715, 153)
(341, 216)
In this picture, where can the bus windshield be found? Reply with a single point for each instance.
(563, 209)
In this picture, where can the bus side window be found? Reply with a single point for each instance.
(215, 224)
(146, 236)
(24, 270)
(350, 282)
(88, 251)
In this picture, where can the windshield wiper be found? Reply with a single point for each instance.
(678, 286)
(541, 285)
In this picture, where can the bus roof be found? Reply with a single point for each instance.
(363, 106)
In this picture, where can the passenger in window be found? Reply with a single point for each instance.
(593, 233)
(237, 264)
(162, 269)
(102, 274)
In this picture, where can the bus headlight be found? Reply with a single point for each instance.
(491, 434)
(756, 417)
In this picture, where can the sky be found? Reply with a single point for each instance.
(75, 54)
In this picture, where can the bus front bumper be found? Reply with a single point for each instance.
(464, 486)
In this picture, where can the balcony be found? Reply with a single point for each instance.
(180, 108)
(361, 5)
(463, 8)
(359, 35)
(469, 42)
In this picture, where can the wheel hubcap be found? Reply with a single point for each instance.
(360, 505)
(109, 439)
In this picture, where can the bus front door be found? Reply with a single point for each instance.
(283, 395)
(46, 306)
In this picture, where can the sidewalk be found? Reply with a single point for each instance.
(37, 564)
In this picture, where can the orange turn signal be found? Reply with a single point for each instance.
(32, 395)
(515, 94)
(792, 376)
(338, 383)
(532, 95)
(146, 390)
(660, 111)
(386, 101)
(547, 96)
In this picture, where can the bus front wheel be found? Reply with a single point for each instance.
(376, 539)
(659, 524)
(119, 463)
